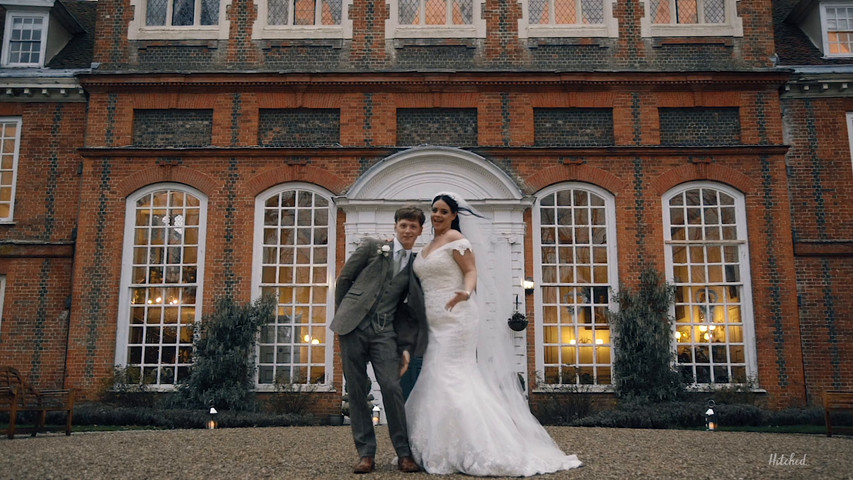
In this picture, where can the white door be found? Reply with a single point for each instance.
(414, 177)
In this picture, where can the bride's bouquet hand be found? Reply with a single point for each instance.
(460, 296)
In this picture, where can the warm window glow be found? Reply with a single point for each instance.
(575, 287)
(163, 286)
(705, 247)
(295, 268)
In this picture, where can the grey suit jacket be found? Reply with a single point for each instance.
(361, 282)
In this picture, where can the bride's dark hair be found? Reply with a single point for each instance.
(454, 207)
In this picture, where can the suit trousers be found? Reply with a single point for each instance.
(380, 349)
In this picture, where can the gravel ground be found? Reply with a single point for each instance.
(328, 453)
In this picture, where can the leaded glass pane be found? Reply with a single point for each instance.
(436, 12)
(538, 12)
(331, 12)
(565, 11)
(277, 11)
(408, 10)
(209, 12)
(303, 12)
(463, 12)
(593, 11)
(686, 11)
(183, 12)
(715, 11)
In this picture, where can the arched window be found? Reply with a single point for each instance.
(576, 266)
(294, 261)
(707, 261)
(161, 283)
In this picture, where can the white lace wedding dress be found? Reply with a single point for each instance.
(457, 423)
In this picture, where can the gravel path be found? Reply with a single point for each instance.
(328, 453)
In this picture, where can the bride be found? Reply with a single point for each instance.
(466, 412)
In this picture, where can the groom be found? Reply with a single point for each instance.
(380, 319)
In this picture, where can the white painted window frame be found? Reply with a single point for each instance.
(263, 31)
(11, 14)
(824, 29)
(732, 27)
(15, 158)
(124, 304)
(257, 261)
(747, 312)
(138, 30)
(612, 273)
(609, 28)
(393, 28)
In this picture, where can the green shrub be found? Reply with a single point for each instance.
(642, 336)
(223, 368)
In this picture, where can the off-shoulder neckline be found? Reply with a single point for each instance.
(427, 255)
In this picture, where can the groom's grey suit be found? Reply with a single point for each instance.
(379, 313)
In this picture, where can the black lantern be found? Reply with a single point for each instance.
(518, 321)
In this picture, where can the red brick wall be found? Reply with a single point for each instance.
(37, 248)
(820, 174)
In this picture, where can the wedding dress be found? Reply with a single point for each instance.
(457, 421)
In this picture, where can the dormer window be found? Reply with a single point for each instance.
(838, 30)
(829, 25)
(24, 39)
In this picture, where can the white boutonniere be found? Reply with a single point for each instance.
(385, 250)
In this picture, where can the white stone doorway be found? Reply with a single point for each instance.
(413, 177)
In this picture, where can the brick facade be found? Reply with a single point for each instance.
(633, 115)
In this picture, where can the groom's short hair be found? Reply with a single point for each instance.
(410, 212)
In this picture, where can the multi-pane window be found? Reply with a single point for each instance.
(577, 277)
(24, 40)
(706, 260)
(687, 11)
(436, 12)
(166, 235)
(838, 25)
(566, 12)
(304, 12)
(178, 13)
(293, 259)
(10, 139)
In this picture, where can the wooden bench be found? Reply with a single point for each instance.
(17, 395)
(837, 401)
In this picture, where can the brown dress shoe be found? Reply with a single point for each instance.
(408, 465)
(365, 465)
